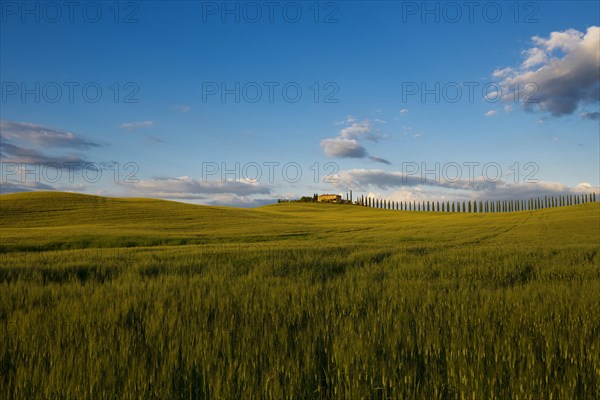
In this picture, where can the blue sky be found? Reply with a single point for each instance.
(361, 67)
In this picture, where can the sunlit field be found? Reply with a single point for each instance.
(133, 298)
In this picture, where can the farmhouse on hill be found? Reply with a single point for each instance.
(329, 198)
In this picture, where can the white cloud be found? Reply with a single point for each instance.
(21, 143)
(42, 136)
(347, 145)
(490, 113)
(535, 56)
(501, 73)
(345, 148)
(592, 116)
(182, 108)
(186, 187)
(133, 126)
(565, 41)
(558, 75)
(361, 130)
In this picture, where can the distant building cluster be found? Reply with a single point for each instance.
(329, 198)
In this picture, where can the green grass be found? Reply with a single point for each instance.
(137, 298)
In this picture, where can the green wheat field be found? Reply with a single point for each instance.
(107, 298)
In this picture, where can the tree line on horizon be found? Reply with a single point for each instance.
(481, 206)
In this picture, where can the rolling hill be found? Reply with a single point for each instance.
(54, 220)
(105, 298)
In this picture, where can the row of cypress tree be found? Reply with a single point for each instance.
(475, 206)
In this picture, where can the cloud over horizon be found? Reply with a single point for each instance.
(188, 188)
(476, 188)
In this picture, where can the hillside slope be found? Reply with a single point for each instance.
(55, 220)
